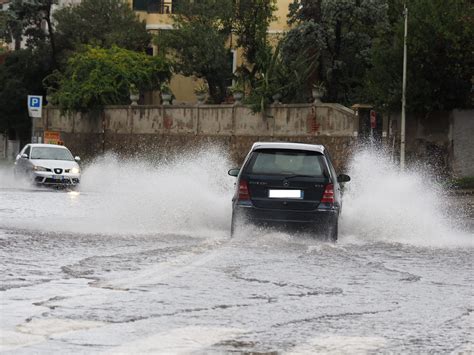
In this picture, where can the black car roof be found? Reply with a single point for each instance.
(286, 145)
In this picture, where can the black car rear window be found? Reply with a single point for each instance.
(286, 162)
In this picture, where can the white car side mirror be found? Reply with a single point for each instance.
(24, 156)
(77, 158)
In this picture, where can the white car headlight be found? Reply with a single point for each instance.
(75, 171)
(39, 168)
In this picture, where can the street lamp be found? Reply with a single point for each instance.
(404, 86)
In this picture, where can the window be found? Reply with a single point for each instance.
(150, 51)
(140, 5)
(27, 151)
(287, 162)
(231, 66)
(156, 6)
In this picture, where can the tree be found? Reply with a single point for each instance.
(198, 43)
(20, 75)
(106, 22)
(97, 77)
(440, 61)
(278, 77)
(4, 29)
(23, 69)
(26, 19)
(102, 23)
(339, 35)
(251, 22)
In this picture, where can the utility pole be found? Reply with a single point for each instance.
(404, 87)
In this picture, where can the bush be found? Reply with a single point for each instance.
(98, 77)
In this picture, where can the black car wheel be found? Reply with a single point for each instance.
(333, 232)
(232, 226)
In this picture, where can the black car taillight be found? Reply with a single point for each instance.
(328, 194)
(244, 192)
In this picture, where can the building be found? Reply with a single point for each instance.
(157, 16)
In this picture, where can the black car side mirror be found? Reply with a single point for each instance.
(234, 172)
(343, 178)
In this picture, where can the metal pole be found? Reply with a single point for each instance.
(404, 86)
(33, 135)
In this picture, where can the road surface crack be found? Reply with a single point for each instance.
(331, 316)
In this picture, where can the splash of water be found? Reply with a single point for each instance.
(186, 194)
(191, 193)
(382, 203)
(182, 195)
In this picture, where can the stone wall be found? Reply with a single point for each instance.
(3, 146)
(462, 132)
(164, 130)
(442, 140)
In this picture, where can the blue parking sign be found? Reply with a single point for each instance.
(35, 102)
(35, 105)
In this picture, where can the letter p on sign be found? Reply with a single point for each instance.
(35, 105)
(35, 102)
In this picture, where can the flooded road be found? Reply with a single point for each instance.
(139, 260)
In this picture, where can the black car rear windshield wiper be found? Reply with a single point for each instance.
(299, 176)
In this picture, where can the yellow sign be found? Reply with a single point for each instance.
(51, 137)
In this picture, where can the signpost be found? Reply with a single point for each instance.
(35, 110)
(35, 106)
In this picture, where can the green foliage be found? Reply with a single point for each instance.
(338, 35)
(102, 23)
(289, 79)
(19, 77)
(198, 43)
(251, 22)
(267, 83)
(201, 89)
(4, 29)
(165, 88)
(97, 77)
(199, 40)
(26, 20)
(440, 60)
(23, 70)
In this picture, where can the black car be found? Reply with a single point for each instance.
(288, 185)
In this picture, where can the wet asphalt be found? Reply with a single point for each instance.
(67, 289)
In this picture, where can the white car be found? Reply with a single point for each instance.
(48, 164)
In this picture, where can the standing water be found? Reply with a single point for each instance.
(139, 260)
(192, 194)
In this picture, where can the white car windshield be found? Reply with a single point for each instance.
(51, 153)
